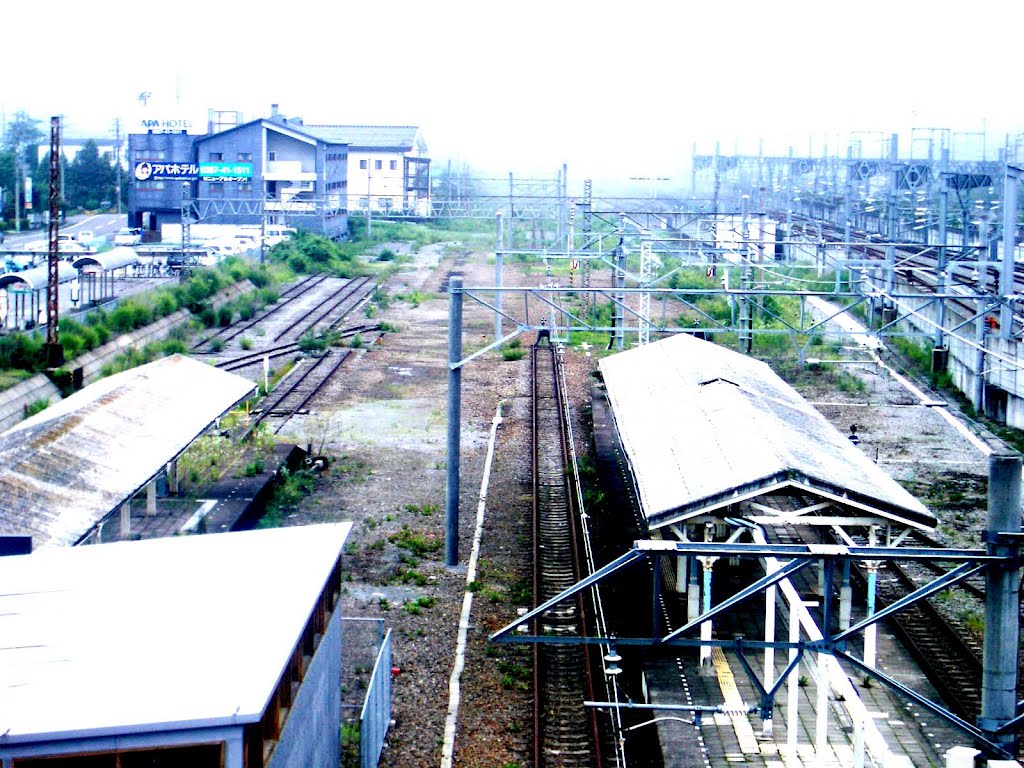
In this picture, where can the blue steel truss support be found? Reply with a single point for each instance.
(957, 722)
(767, 697)
(952, 577)
(798, 556)
(789, 569)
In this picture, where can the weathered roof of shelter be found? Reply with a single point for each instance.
(152, 635)
(370, 136)
(36, 278)
(704, 427)
(115, 258)
(66, 468)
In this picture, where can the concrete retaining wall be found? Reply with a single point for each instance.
(15, 400)
(998, 390)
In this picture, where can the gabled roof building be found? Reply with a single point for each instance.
(388, 167)
(215, 651)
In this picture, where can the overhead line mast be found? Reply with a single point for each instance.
(54, 351)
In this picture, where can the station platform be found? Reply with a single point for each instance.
(912, 736)
(908, 735)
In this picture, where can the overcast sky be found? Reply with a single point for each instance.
(612, 88)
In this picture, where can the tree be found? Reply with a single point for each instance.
(21, 136)
(91, 178)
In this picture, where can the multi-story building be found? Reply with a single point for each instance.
(388, 167)
(268, 170)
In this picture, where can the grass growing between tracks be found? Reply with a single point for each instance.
(23, 351)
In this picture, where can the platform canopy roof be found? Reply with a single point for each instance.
(704, 427)
(156, 635)
(65, 469)
(35, 279)
(115, 258)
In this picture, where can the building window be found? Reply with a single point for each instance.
(245, 188)
(377, 165)
(150, 154)
(394, 165)
(148, 186)
(216, 156)
(385, 203)
(216, 189)
(362, 165)
(245, 156)
(271, 156)
(364, 203)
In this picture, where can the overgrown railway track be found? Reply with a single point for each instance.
(565, 732)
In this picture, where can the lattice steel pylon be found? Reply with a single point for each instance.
(54, 351)
(646, 270)
(587, 225)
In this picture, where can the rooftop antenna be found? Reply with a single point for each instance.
(144, 97)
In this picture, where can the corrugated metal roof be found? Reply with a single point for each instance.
(37, 277)
(152, 635)
(703, 426)
(66, 468)
(115, 258)
(370, 136)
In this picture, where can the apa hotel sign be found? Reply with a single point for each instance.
(171, 123)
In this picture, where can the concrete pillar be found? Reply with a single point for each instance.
(1002, 599)
(708, 563)
(871, 631)
(451, 496)
(126, 519)
(693, 590)
(1009, 243)
(151, 497)
(845, 598)
(172, 477)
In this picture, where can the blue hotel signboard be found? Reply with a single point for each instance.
(146, 171)
(225, 171)
(239, 172)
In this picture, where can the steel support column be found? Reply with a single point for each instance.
(1002, 599)
(451, 494)
(499, 259)
(1013, 176)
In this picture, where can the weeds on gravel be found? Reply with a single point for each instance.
(425, 509)
(419, 544)
(415, 607)
(292, 487)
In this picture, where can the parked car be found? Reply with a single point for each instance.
(128, 236)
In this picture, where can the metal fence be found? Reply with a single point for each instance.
(366, 689)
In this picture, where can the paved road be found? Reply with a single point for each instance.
(102, 225)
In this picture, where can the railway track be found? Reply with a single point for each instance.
(293, 293)
(941, 648)
(297, 391)
(565, 732)
(291, 348)
(333, 309)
